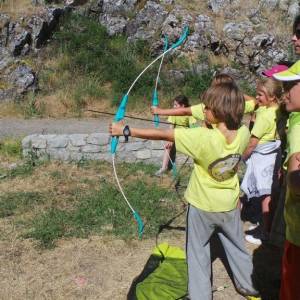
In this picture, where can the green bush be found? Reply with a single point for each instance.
(195, 84)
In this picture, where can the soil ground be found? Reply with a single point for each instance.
(104, 268)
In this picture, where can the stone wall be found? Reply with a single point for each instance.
(95, 146)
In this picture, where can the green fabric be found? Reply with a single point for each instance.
(169, 280)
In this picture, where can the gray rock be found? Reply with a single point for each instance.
(42, 27)
(143, 154)
(157, 154)
(90, 149)
(78, 139)
(204, 34)
(237, 31)
(270, 4)
(39, 142)
(157, 145)
(218, 5)
(98, 139)
(57, 141)
(24, 78)
(117, 7)
(114, 25)
(134, 146)
(27, 141)
(293, 10)
(147, 22)
(19, 42)
(5, 58)
(58, 154)
(167, 2)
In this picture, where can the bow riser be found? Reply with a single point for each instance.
(118, 117)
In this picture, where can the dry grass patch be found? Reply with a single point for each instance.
(18, 8)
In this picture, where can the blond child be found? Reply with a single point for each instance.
(261, 153)
(213, 188)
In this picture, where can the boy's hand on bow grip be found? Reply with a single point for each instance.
(155, 110)
(116, 129)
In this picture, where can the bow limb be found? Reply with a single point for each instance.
(155, 100)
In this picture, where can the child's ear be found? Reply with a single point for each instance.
(272, 99)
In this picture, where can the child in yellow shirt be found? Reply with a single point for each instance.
(261, 153)
(180, 101)
(197, 111)
(213, 188)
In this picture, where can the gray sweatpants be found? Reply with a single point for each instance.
(200, 227)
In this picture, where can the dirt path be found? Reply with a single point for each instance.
(19, 127)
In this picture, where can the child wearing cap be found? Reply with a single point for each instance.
(261, 153)
(290, 288)
(213, 188)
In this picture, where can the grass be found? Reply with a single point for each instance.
(56, 200)
(10, 148)
(12, 202)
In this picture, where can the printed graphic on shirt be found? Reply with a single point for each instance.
(224, 168)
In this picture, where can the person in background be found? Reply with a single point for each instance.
(213, 189)
(290, 288)
(180, 101)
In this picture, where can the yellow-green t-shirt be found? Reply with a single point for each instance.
(183, 121)
(292, 202)
(213, 185)
(265, 124)
(249, 106)
(198, 109)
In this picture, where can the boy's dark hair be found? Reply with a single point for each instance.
(227, 104)
(296, 23)
(182, 100)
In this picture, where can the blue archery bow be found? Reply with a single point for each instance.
(155, 100)
(120, 116)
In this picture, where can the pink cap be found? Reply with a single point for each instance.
(275, 69)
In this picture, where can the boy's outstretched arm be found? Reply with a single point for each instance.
(293, 176)
(116, 129)
(180, 111)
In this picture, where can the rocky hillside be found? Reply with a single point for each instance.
(239, 36)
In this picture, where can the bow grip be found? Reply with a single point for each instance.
(118, 117)
(155, 103)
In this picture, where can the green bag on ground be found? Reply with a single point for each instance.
(164, 276)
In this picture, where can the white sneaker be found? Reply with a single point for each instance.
(160, 172)
(252, 240)
(253, 226)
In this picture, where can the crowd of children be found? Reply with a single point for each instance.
(213, 191)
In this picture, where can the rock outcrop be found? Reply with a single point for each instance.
(235, 29)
